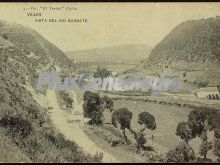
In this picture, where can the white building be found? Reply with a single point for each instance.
(208, 93)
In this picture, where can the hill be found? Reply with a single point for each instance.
(191, 41)
(191, 47)
(26, 132)
(113, 54)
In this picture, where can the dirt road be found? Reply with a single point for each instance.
(72, 131)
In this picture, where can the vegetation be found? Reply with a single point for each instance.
(30, 129)
(182, 153)
(200, 121)
(203, 84)
(184, 132)
(146, 119)
(23, 122)
(112, 55)
(5, 36)
(94, 105)
(107, 103)
(190, 41)
(122, 116)
(68, 101)
(102, 73)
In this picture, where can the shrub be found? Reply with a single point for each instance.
(67, 99)
(5, 36)
(182, 153)
(155, 157)
(203, 84)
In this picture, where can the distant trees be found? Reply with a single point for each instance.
(102, 73)
(122, 116)
(203, 84)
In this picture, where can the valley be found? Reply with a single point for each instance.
(111, 126)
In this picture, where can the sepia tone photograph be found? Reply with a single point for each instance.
(110, 82)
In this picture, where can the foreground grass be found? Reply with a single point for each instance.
(10, 153)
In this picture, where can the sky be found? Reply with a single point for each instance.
(108, 24)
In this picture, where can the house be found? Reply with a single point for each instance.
(211, 93)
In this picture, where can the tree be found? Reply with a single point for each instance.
(217, 135)
(122, 116)
(184, 132)
(182, 153)
(202, 120)
(92, 107)
(107, 103)
(102, 73)
(140, 139)
(146, 119)
(204, 148)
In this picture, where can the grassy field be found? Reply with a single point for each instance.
(167, 118)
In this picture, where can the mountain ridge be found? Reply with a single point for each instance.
(125, 52)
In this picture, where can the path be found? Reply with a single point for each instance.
(72, 131)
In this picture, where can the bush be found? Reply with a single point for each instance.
(182, 153)
(5, 36)
(67, 99)
(203, 84)
(155, 157)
